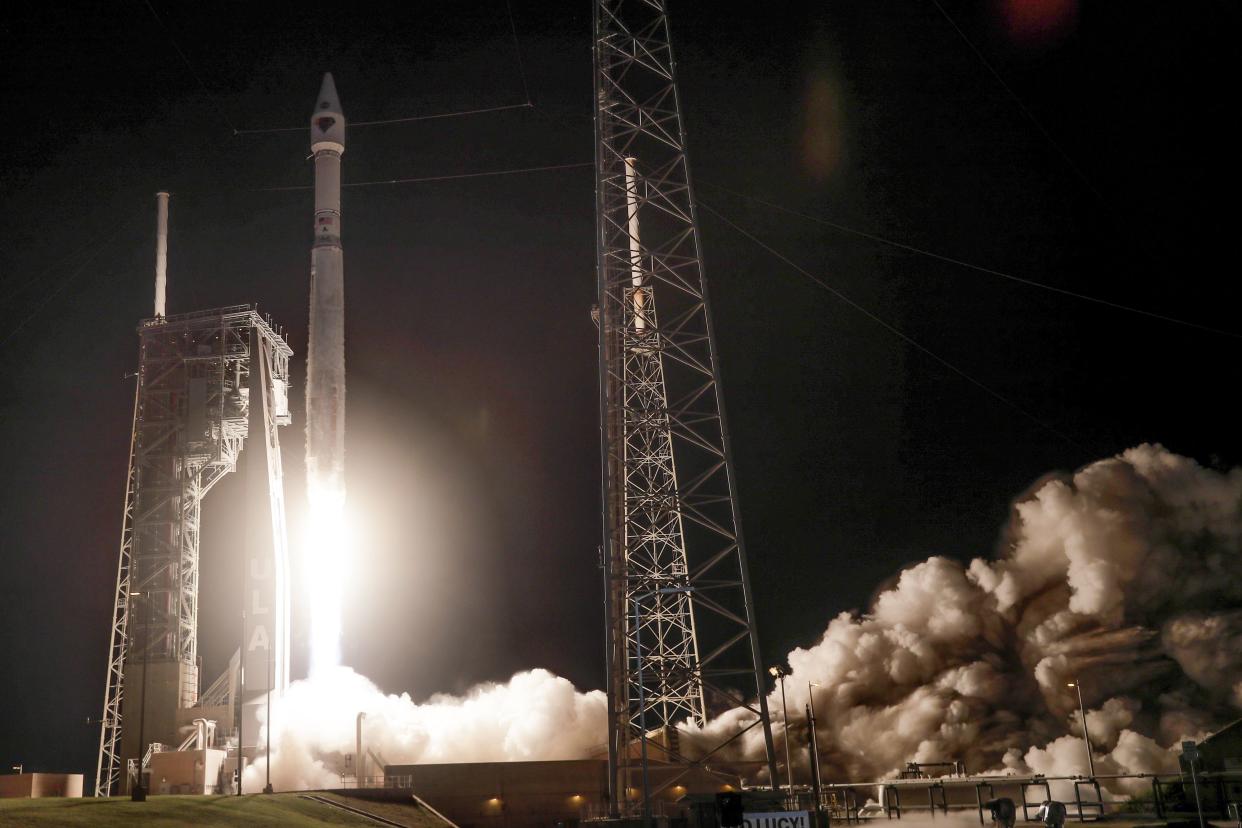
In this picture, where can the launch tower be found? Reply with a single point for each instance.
(682, 642)
(209, 383)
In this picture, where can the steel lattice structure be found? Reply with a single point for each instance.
(192, 411)
(682, 641)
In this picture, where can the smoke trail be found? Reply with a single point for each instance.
(1124, 574)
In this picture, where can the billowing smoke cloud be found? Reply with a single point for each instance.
(536, 715)
(1125, 575)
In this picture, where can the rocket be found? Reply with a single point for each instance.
(325, 358)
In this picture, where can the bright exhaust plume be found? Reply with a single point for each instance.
(328, 557)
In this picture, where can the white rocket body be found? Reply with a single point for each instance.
(325, 383)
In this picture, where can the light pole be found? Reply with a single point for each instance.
(1086, 739)
(779, 673)
(139, 793)
(642, 698)
(360, 764)
(267, 754)
(1190, 752)
(241, 677)
(810, 715)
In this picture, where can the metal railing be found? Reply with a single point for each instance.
(1169, 793)
(370, 782)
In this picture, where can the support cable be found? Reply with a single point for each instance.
(897, 332)
(517, 51)
(72, 277)
(521, 67)
(1021, 105)
(172, 40)
(63, 260)
(978, 268)
(410, 119)
(429, 178)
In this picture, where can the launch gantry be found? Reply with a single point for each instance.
(682, 641)
(207, 382)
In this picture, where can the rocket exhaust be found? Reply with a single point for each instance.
(325, 384)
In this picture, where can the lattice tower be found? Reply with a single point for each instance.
(682, 642)
(191, 417)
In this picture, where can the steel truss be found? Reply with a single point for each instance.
(191, 410)
(682, 641)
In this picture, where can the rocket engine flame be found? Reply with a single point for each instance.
(326, 569)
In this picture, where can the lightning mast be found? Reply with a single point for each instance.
(681, 632)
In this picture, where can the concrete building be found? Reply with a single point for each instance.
(186, 771)
(530, 794)
(37, 785)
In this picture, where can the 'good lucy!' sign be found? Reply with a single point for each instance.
(777, 819)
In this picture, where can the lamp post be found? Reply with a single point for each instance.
(1190, 752)
(815, 778)
(642, 698)
(241, 675)
(1086, 739)
(779, 673)
(267, 753)
(814, 757)
(139, 793)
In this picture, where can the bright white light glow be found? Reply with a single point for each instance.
(328, 554)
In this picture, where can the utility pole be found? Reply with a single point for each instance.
(779, 673)
(1190, 752)
(1086, 739)
(814, 756)
(267, 789)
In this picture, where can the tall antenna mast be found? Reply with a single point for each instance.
(161, 252)
(682, 641)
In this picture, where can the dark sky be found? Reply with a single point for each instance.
(471, 354)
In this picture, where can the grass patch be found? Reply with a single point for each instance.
(257, 809)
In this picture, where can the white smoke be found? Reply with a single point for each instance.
(1124, 575)
(536, 715)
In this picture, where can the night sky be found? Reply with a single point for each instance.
(1106, 168)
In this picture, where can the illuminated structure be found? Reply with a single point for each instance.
(209, 383)
(682, 641)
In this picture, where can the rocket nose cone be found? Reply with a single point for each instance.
(328, 100)
(327, 121)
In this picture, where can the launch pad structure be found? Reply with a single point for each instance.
(681, 636)
(682, 641)
(209, 384)
(213, 390)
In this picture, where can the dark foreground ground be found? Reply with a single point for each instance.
(289, 809)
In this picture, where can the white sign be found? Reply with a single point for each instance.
(778, 819)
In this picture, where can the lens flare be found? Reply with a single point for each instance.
(326, 566)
